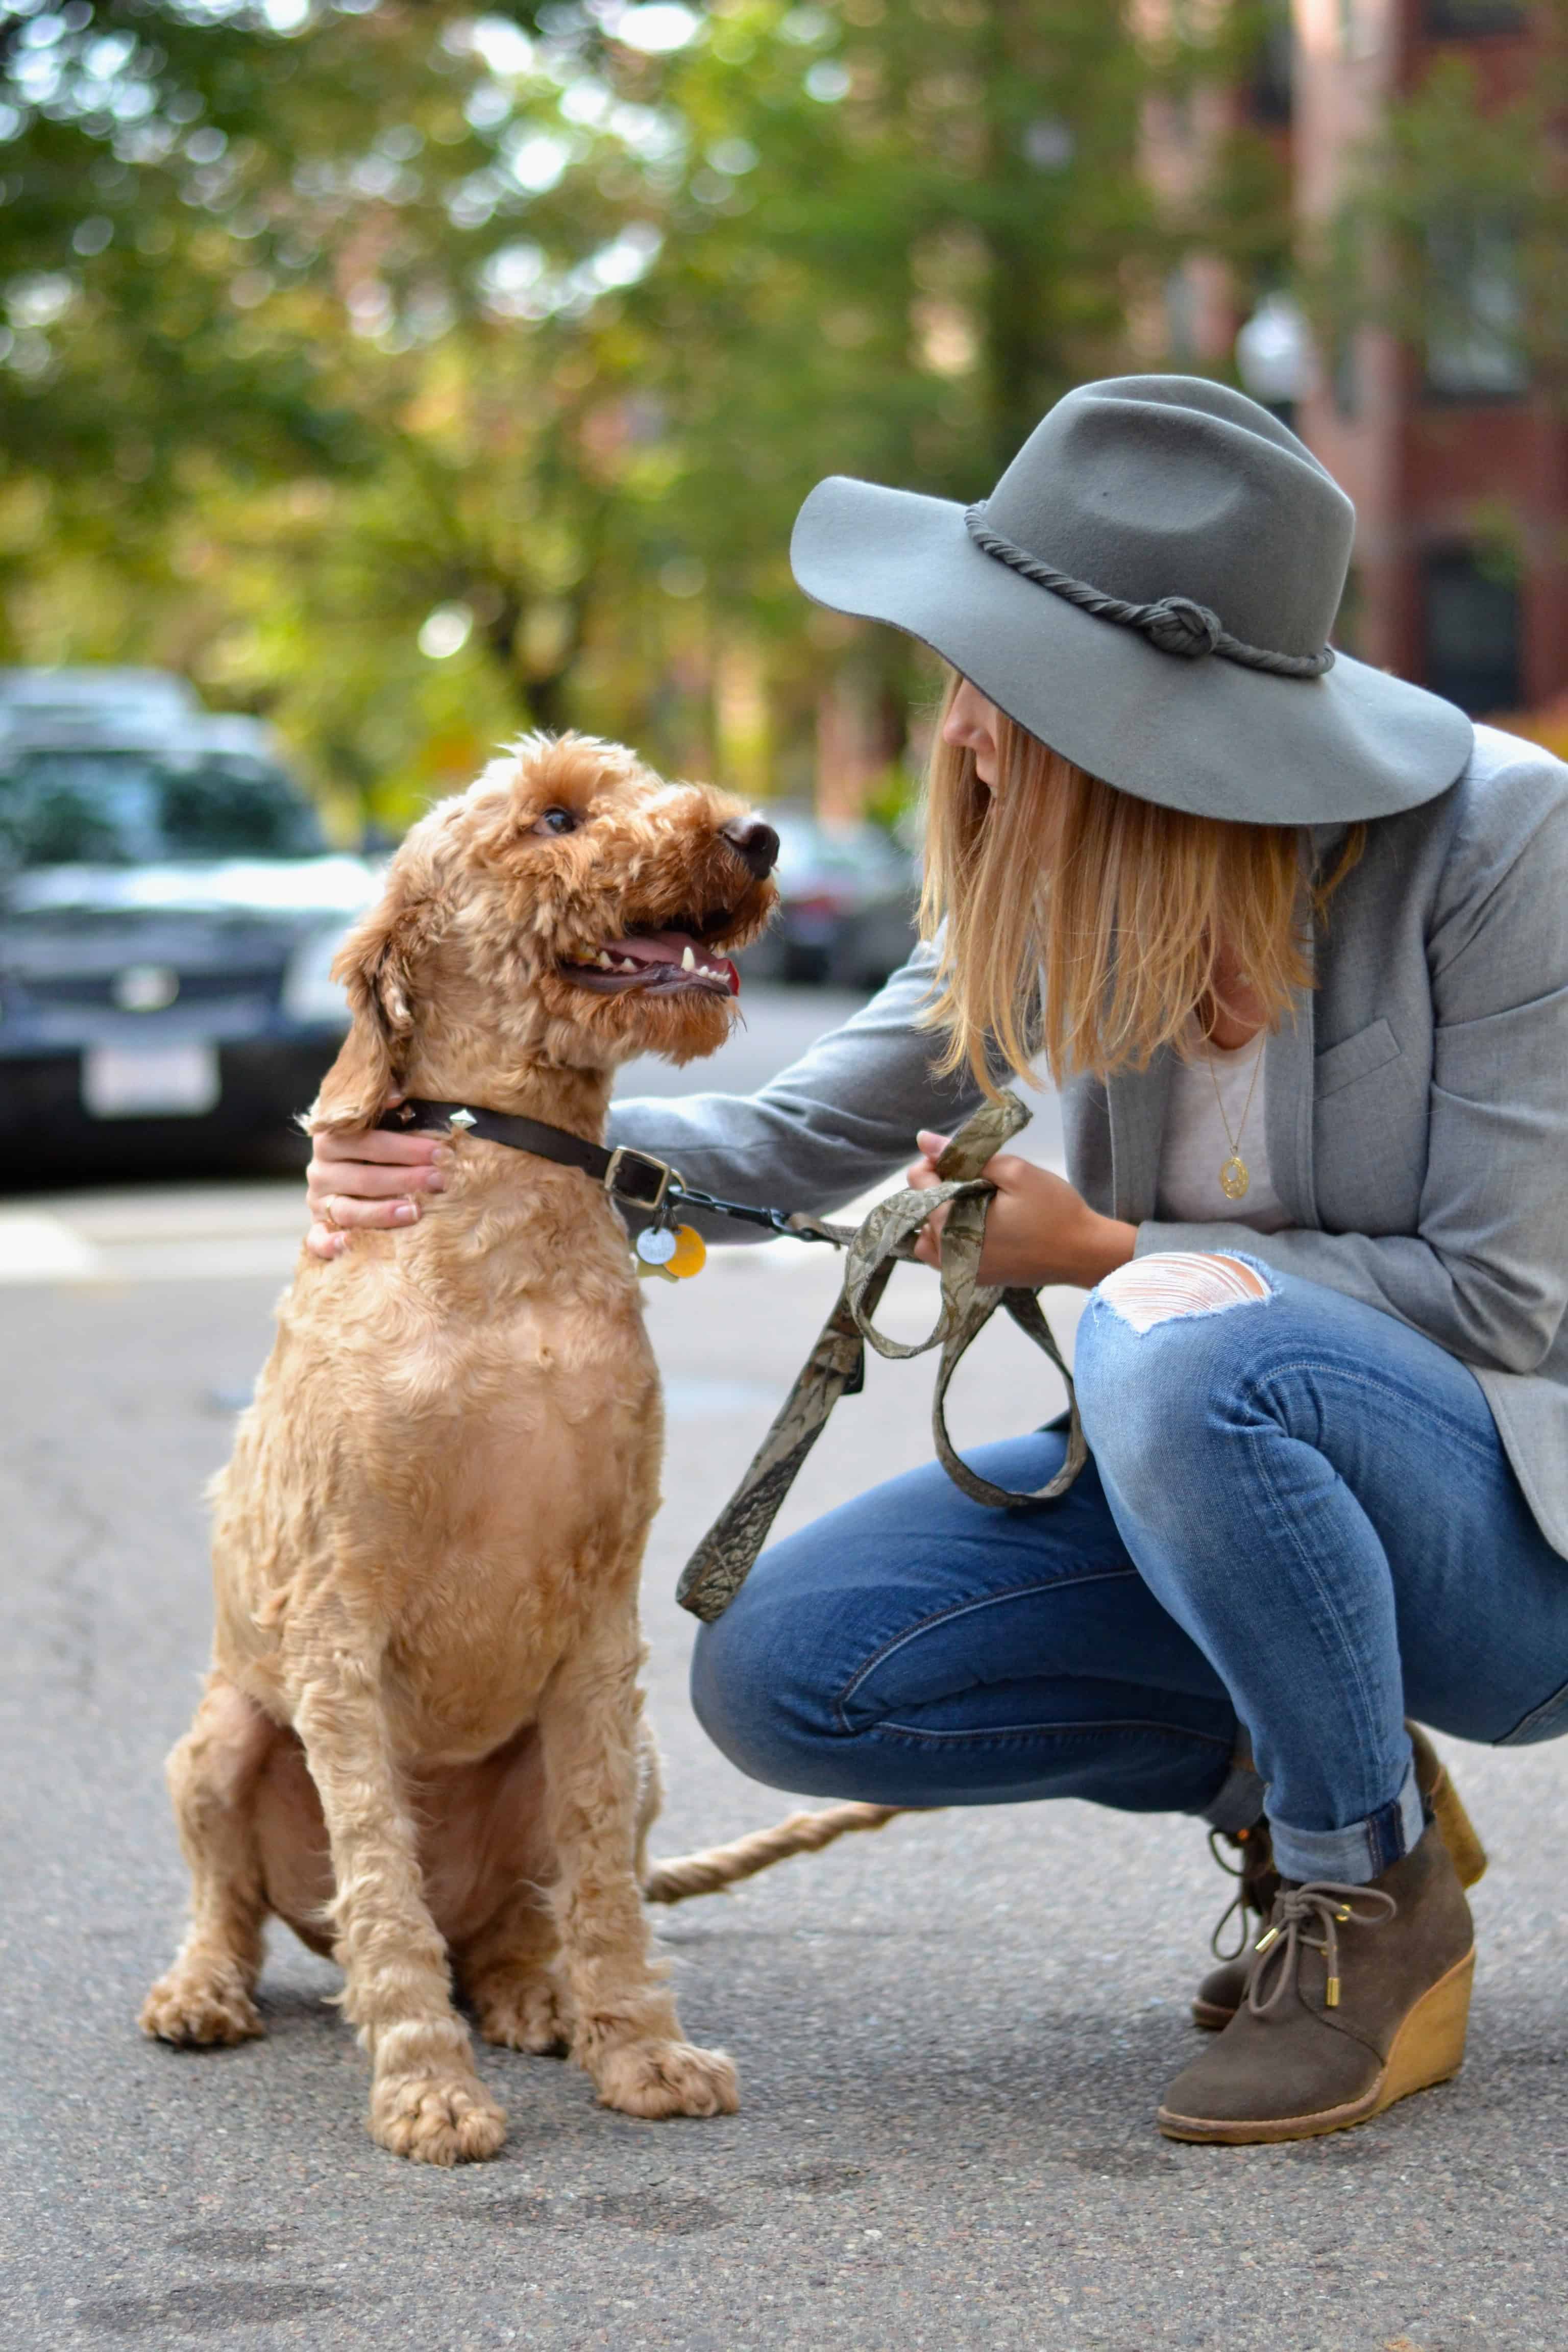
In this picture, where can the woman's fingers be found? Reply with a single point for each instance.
(379, 1145)
(351, 1215)
(361, 1180)
(336, 1215)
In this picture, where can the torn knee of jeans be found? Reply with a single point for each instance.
(1170, 1285)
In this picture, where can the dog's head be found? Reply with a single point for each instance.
(570, 909)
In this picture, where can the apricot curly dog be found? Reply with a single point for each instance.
(421, 1743)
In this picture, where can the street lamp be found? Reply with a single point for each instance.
(1274, 355)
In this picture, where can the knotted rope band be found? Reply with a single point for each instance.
(1174, 624)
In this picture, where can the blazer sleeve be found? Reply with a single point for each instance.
(839, 1120)
(1486, 1273)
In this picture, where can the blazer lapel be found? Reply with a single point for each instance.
(1287, 1081)
(1136, 1102)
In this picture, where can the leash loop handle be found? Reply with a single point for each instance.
(836, 1365)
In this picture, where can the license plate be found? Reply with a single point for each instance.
(150, 1081)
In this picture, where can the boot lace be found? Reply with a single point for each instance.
(1296, 1909)
(1244, 1872)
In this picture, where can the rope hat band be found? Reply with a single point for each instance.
(1176, 625)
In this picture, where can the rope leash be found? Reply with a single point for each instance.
(836, 1364)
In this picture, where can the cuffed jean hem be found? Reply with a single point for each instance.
(1238, 1801)
(1359, 1853)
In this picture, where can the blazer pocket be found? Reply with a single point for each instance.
(1354, 1057)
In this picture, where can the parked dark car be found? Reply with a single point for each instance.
(168, 912)
(848, 895)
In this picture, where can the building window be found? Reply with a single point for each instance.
(1475, 340)
(1271, 72)
(1460, 20)
(1471, 614)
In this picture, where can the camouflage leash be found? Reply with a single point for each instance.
(836, 1365)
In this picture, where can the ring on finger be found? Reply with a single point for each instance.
(328, 1212)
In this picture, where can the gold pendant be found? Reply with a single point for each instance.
(1234, 1177)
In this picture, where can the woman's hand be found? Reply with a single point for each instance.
(1038, 1230)
(371, 1179)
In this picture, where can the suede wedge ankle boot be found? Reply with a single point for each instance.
(1223, 1989)
(1356, 1997)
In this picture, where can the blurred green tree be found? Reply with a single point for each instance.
(414, 374)
(1452, 230)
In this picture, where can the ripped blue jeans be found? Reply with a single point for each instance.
(1299, 1526)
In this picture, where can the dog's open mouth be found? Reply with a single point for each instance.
(658, 963)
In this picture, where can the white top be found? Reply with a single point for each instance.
(1195, 1146)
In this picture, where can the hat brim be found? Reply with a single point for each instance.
(1209, 736)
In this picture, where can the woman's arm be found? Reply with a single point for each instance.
(840, 1119)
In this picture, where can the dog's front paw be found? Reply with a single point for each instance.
(667, 2078)
(435, 2118)
(525, 2013)
(199, 2010)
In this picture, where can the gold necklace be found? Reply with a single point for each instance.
(1235, 1176)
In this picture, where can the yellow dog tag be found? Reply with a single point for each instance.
(690, 1253)
(671, 1257)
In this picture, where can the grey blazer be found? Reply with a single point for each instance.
(1417, 1107)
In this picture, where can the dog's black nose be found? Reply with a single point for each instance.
(757, 842)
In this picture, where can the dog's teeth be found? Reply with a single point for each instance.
(627, 963)
(688, 959)
(602, 960)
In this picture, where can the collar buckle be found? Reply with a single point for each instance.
(638, 1178)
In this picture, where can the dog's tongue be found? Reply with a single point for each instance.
(672, 948)
(658, 947)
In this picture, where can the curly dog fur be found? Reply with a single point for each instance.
(421, 1742)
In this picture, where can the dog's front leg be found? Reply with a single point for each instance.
(625, 2033)
(205, 1997)
(426, 2101)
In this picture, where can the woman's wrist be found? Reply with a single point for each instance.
(1106, 1243)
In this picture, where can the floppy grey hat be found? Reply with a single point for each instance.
(1149, 590)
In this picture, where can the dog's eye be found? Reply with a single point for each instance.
(558, 820)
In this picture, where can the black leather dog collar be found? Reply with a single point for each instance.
(635, 1177)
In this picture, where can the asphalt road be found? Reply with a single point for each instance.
(952, 2037)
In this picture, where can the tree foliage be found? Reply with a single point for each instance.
(1452, 227)
(335, 328)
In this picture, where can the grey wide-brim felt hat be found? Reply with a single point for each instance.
(1149, 590)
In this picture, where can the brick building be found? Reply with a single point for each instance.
(1457, 460)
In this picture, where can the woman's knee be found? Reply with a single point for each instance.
(754, 1695)
(1161, 1337)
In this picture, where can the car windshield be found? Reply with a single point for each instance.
(89, 807)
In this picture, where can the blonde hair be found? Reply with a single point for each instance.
(1083, 922)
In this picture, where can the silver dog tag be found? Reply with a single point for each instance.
(655, 1245)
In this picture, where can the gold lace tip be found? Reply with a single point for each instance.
(1270, 1936)
(1332, 1996)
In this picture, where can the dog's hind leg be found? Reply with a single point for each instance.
(426, 2101)
(507, 1974)
(625, 2030)
(205, 1996)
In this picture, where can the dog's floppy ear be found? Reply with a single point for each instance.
(378, 965)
